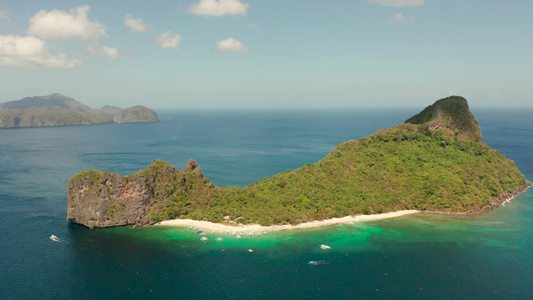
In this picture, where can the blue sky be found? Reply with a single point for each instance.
(268, 54)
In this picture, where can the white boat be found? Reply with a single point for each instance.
(54, 238)
(219, 239)
(325, 247)
(204, 239)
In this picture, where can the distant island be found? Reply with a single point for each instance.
(60, 110)
(434, 162)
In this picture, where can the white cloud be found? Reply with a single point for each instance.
(4, 15)
(169, 40)
(136, 25)
(397, 3)
(219, 8)
(231, 45)
(100, 50)
(58, 24)
(400, 18)
(31, 53)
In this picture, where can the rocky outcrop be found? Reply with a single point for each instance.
(452, 115)
(103, 199)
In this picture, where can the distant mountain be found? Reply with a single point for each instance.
(60, 110)
(51, 102)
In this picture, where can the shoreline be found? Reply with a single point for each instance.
(206, 225)
(248, 229)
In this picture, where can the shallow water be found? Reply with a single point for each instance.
(416, 256)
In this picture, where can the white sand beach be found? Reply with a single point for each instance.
(209, 226)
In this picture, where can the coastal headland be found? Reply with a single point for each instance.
(434, 162)
(60, 110)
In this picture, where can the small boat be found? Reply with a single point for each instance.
(250, 250)
(204, 239)
(219, 239)
(54, 238)
(238, 236)
(317, 262)
(200, 231)
(190, 227)
(325, 247)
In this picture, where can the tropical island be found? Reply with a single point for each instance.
(434, 162)
(60, 110)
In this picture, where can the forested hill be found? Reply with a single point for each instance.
(60, 110)
(433, 162)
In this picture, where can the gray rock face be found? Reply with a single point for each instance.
(103, 199)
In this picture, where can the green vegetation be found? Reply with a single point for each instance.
(406, 167)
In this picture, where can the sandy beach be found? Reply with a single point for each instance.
(209, 226)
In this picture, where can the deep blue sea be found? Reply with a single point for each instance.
(413, 257)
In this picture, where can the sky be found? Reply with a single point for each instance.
(268, 54)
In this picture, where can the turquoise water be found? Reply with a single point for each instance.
(417, 256)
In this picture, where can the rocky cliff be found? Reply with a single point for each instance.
(102, 199)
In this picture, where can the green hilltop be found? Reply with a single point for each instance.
(433, 162)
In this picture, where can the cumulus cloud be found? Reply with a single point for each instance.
(58, 24)
(30, 52)
(397, 3)
(136, 25)
(219, 8)
(100, 50)
(4, 15)
(169, 40)
(231, 45)
(400, 18)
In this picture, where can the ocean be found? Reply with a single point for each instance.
(416, 256)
